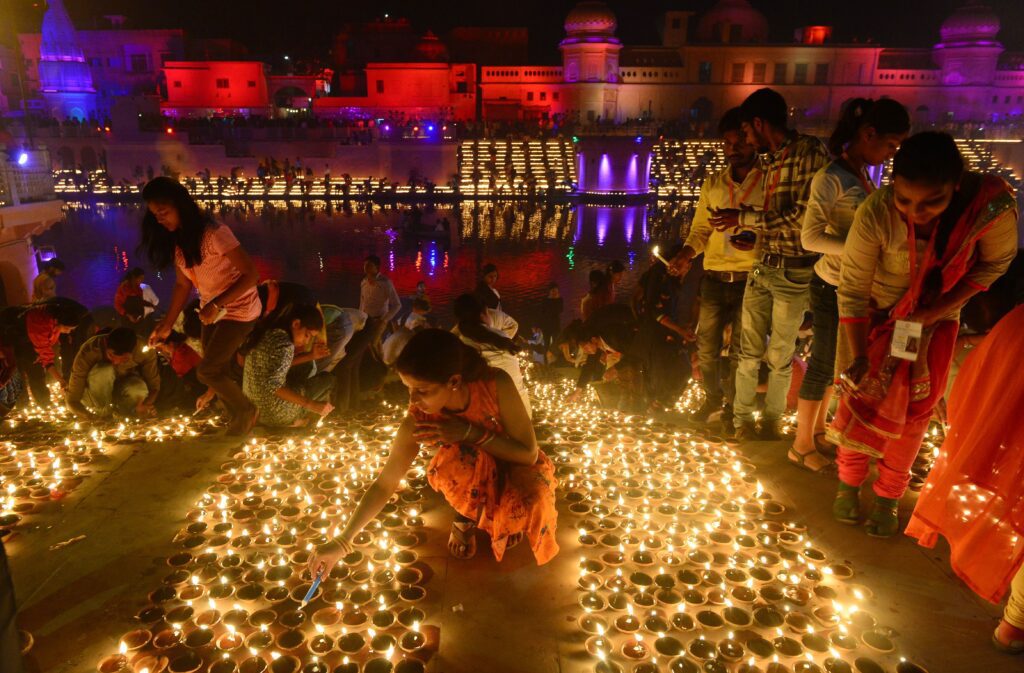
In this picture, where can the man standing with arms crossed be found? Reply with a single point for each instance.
(728, 258)
(777, 288)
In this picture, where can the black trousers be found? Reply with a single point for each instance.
(348, 383)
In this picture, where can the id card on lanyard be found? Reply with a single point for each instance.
(906, 340)
(735, 203)
(776, 173)
(906, 335)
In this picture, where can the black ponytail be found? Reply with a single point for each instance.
(436, 355)
(308, 315)
(884, 115)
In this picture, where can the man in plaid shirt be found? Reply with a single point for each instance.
(776, 296)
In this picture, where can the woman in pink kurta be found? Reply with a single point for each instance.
(207, 257)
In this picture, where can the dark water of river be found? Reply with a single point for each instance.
(532, 245)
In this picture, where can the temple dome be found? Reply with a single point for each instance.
(970, 23)
(591, 18)
(431, 49)
(62, 66)
(733, 21)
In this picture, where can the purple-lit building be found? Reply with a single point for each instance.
(79, 73)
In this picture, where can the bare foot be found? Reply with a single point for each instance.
(462, 541)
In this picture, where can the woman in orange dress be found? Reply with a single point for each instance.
(974, 496)
(487, 463)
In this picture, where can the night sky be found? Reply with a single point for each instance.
(305, 27)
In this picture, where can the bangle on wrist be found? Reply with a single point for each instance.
(469, 429)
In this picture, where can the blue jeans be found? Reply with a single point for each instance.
(721, 304)
(774, 302)
(821, 367)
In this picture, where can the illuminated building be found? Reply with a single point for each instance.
(216, 88)
(966, 76)
(78, 73)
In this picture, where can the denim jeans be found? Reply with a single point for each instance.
(821, 367)
(774, 303)
(721, 304)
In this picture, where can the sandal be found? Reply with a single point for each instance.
(846, 506)
(463, 537)
(828, 468)
(884, 520)
(824, 447)
(513, 540)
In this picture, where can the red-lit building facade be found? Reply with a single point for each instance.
(216, 88)
(703, 65)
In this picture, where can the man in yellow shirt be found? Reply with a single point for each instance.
(728, 258)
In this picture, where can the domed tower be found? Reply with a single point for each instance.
(969, 50)
(431, 50)
(64, 77)
(590, 60)
(732, 21)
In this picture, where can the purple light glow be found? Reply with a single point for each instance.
(605, 179)
(632, 183)
(628, 219)
(604, 216)
(23, 158)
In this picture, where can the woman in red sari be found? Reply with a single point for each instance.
(487, 464)
(917, 251)
(974, 495)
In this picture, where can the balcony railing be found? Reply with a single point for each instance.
(25, 177)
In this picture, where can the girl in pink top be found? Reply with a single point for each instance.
(206, 256)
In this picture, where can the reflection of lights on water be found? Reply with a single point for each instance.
(571, 256)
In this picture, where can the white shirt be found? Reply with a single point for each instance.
(150, 296)
(379, 298)
(835, 195)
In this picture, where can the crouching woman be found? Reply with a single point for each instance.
(486, 464)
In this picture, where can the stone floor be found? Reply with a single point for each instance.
(513, 617)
